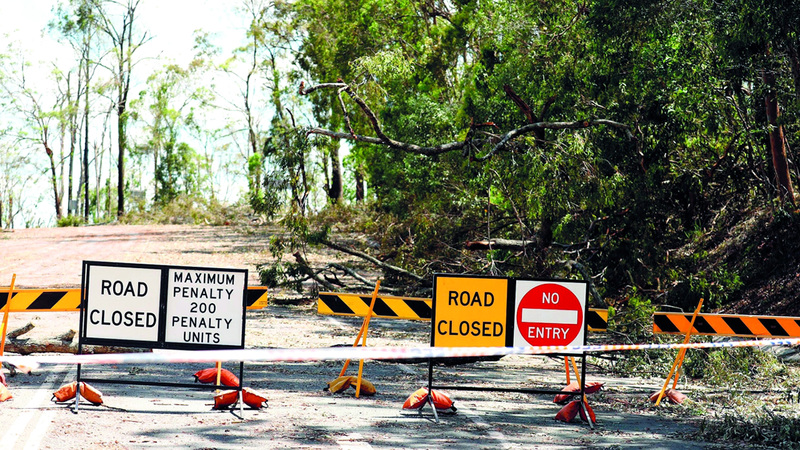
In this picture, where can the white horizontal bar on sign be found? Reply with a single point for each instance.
(554, 316)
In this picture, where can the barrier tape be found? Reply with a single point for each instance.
(375, 353)
(46, 300)
(410, 308)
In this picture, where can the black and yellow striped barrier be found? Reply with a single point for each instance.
(43, 300)
(387, 307)
(727, 325)
(412, 308)
(34, 300)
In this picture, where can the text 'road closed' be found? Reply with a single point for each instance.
(470, 312)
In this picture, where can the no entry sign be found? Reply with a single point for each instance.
(549, 313)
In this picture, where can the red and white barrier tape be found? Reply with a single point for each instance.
(341, 353)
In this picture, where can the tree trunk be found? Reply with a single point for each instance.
(86, 140)
(336, 191)
(121, 160)
(64, 343)
(777, 142)
(360, 191)
(54, 178)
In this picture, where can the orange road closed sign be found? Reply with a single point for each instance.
(469, 312)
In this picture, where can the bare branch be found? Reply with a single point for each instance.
(382, 139)
(531, 127)
(383, 265)
(499, 244)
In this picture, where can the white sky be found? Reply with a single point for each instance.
(169, 23)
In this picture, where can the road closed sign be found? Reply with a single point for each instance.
(152, 306)
(470, 312)
(124, 303)
(549, 313)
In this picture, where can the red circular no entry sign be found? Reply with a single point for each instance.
(549, 314)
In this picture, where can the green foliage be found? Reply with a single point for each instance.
(189, 210)
(70, 221)
(283, 274)
(178, 173)
(633, 323)
(735, 368)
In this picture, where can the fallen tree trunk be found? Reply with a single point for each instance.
(64, 343)
(26, 347)
(308, 271)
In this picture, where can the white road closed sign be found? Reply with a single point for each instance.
(153, 306)
(123, 303)
(205, 307)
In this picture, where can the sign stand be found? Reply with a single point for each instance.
(162, 307)
(470, 311)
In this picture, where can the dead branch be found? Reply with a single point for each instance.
(499, 244)
(13, 334)
(307, 270)
(350, 272)
(64, 343)
(383, 265)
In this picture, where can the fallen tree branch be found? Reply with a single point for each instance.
(499, 244)
(63, 343)
(350, 272)
(381, 264)
(307, 270)
(20, 331)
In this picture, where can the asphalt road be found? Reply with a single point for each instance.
(301, 415)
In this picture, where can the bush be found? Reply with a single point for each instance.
(70, 221)
(734, 367)
(764, 427)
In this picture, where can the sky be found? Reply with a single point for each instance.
(169, 23)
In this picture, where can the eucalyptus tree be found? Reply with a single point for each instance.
(117, 21)
(77, 21)
(471, 122)
(758, 40)
(168, 106)
(35, 118)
